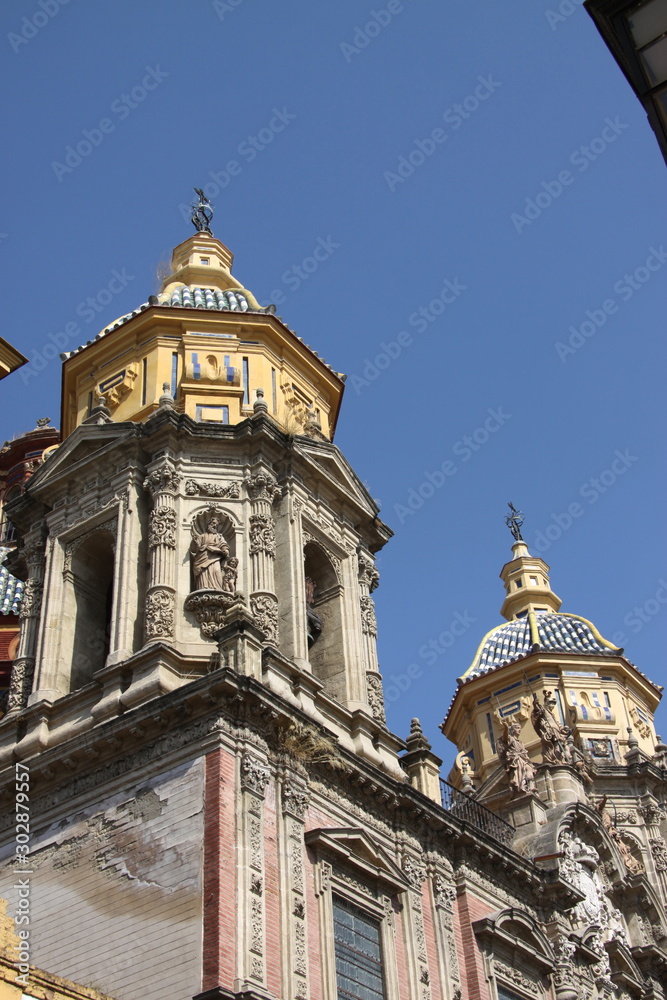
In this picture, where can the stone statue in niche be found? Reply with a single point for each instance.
(632, 864)
(514, 758)
(208, 554)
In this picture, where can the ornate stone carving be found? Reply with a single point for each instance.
(414, 872)
(208, 553)
(159, 616)
(162, 527)
(369, 625)
(659, 852)
(633, 864)
(513, 756)
(210, 608)
(20, 686)
(641, 726)
(552, 734)
(651, 813)
(601, 969)
(294, 799)
(264, 610)
(262, 535)
(31, 599)
(262, 486)
(193, 489)
(515, 976)
(254, 775)
(375, 694)
(626, 816)
(368, 574)
(256, 884)
(444, 892)
(164, 479)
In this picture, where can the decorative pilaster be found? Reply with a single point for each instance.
(23, 669)
(415, 873)
(251, 887)
(263, 491)
(368, 581)
(294, 802)
(444, 897)
(162, 483)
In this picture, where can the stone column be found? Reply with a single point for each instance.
(368, 581)
(23, 669)
(263, 491)
(162, 484)
(251, 880)
(294, 798)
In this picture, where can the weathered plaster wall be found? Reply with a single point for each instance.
(116, 890)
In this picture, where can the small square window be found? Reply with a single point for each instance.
(205, 260)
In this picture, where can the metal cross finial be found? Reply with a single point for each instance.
(202, 213)
(514, 522)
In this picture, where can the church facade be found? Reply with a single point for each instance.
(217, 807)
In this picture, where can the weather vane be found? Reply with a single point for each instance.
(514, 522)
(202, 213)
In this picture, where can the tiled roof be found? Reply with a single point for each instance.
(194, 297)
(560, 633)
(11, 589)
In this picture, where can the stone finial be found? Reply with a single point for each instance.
(633, 742)
(259, 406)
(44, 421)
(100, 414)
(416, 740)
(166, 399)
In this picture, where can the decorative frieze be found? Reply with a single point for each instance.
(514, 976)
(231, 491)
(31, 599)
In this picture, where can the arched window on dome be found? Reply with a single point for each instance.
(324, 621)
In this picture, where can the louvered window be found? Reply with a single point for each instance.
(358, 953)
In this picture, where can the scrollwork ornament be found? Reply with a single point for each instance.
(31, 599)
(265, 612)
(160, 614)
(162, 527)
(368, 574)
(254, 775)
(262, 535)
(414, 872)
(369, 625)
(20, 685)
(375, 694)
(295, 800)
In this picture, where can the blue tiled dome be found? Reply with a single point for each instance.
(558, 633)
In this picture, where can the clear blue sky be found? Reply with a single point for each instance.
(351, 135)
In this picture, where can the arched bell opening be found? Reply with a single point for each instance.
(92, 585)
(324, 621)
